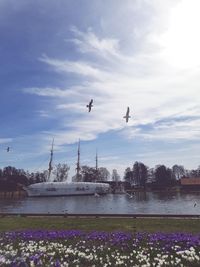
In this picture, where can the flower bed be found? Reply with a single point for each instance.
(78, 248)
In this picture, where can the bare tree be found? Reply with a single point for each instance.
(61, 172)
(103, 174)
(88, 174)
(115, 176)
(178, 171)
(139, 174)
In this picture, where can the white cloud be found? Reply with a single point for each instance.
(76, 67)
(68, 136)
(89, 42)
(51, 92)
(173, 131)
(159, 96)
(107, 159)
(181, 41)
(43, 113)
(5, 140)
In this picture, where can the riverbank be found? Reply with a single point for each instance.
(13, 194)
(150, 225)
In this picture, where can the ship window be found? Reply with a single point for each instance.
(51, 189)
(80, 189)
(99, 189)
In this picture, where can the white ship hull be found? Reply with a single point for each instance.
(49, 189)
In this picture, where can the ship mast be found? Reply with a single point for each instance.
(78, 163)
(51, 159)
(96, 168)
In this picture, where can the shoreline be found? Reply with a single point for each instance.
(20, 194)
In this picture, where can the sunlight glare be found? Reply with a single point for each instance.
(182, 40)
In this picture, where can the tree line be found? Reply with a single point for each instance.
(139, 175)
(159, 177)
(12, 178)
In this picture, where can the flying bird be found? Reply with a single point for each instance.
(8, 149)
(89, 106)
(127, 114)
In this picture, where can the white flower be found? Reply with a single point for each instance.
(2, 259)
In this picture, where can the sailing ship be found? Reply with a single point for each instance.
(49, 189)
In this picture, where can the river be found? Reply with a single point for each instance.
(141, 202)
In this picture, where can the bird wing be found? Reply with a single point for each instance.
(127, 112)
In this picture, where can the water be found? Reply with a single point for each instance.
(143, 203)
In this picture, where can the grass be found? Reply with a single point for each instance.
(101, 224)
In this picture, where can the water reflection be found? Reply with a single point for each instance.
(142, 196)
(140, 202)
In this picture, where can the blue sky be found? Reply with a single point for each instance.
(57, 55)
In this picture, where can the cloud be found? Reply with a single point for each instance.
(78, 67)
(88, 42)
(173, 130)
(181, 40)
(108, 158)
(63, 137)
(5, 140)
(115, 79)
(50, 92)
(43, 113)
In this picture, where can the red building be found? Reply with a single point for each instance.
(190, 183)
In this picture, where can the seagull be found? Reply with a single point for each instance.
(8, 149)
(130, 195)
(89, 106)
(127, 114)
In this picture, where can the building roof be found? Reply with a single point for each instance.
(190, 181)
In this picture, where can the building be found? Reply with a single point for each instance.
(190, 183)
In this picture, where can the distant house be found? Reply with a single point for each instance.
(190, 183)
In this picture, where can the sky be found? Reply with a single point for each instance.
(58, 55)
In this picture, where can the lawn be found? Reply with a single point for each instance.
(132, 225)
